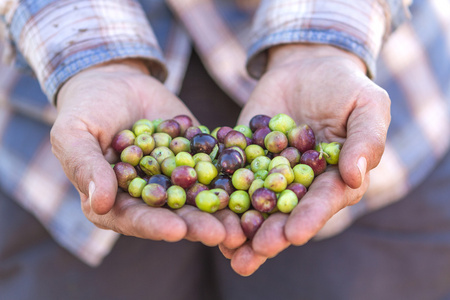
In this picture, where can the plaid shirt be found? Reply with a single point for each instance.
(57, 39)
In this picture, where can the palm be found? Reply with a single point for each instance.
(340, 104)
(93, 107)
(309, 97)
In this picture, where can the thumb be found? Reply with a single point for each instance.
(86, 167)
(366, 136)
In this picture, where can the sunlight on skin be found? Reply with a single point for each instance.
(327, 89)
(81, 135)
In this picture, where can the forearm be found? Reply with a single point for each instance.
(287, 54)
(60, 38)
(359, 27)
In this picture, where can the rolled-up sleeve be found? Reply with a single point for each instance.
(358, 26)
(59, 38)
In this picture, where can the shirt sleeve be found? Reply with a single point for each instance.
(59, 38)
(358, 26)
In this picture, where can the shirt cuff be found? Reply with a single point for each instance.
(356, 26)
(61, 38)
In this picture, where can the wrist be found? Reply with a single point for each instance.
(122, 69)
(128, 65)
(287, 54)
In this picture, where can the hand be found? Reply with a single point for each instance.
(326, 88)
(92, 107)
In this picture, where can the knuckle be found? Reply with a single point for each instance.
(375, 97)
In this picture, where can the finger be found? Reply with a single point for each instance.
(201, 226)
(366, 135)
(326, 196)
(245, 261)
(85, 165)
(270, 240)
(227, 252)
(131, 216)
(235, 236)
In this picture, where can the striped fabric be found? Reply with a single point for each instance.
(57, 39)
(357, 26)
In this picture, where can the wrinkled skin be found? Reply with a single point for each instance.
(315, 84)
(92, 107)
(328, 89)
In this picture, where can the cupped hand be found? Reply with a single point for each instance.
(326, 88)
(92, 107)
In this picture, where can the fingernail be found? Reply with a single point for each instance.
(362, 166)
(91, 191)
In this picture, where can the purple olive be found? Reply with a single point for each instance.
(122, 140)
(229, 161)
(191, 132)
(222, 132)
(259, 121)
(193, 191)
(184, 176)
(221, 148)
(171, 127)
(243, 155)
(302, 137)
(259, 135)
(124, 174)
(298, 188)
(162, 180)
(203, 143)
(184, 121)
(251, 220)
(292, 154)
(315, 160)
(223, 182)
(264, 200)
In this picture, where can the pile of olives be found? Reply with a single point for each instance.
(252, 170)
